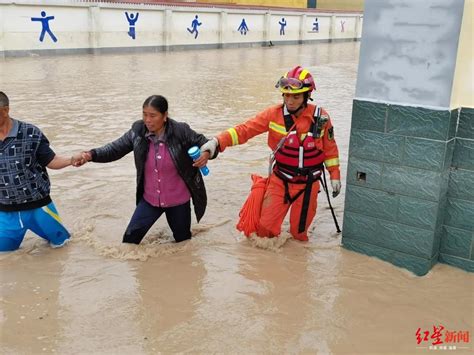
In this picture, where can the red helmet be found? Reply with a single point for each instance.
(296, 81)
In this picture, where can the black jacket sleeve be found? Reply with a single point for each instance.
(114, 150)
(192, 138)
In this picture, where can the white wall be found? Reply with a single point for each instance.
(114, 28)
(255, 24)
(408, 51)
(292, 28)
(20, 33)
(208, 31)
(95, 26)
(345, 27)
(324, 27)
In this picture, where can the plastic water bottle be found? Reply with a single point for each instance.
(195, 153)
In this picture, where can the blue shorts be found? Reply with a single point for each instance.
(43, 221)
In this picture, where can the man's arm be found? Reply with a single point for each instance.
(48, 158)
(60, 162)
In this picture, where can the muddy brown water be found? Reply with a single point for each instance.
(217, 293)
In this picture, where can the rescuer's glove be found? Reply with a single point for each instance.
(336, 187)
(210, 147)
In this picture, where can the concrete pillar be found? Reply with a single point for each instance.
(302, 28)
(266, 30)
(332, 28)
(403, 134)
(167, 29)
(457, 238)
(222, 28)
(358, 28)
(95, 28)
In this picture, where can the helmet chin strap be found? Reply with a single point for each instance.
(293, 112)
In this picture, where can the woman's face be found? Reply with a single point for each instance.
(154, 120)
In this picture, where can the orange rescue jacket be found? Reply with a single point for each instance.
(272, 121)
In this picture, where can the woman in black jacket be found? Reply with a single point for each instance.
(166, 177)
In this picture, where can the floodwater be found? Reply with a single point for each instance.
(219, 292)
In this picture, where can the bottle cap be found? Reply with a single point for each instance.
(193, 150)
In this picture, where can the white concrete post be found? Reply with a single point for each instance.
(266, 30)
(167, 26)
(94, 28)
(302, 28)
(357, 28)
(222, 30)
(332, 29)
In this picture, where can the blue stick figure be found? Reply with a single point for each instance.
(131, 21)
(243, 29)
(282, 24)
(316, 25)
(194, 26)
(45, 26)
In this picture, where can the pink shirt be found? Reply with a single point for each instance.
(164, 187)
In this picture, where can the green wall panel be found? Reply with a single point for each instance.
(364, 173)
(456, 242)
(418, 213)
(463, 156)
(419, 122)
(406, 239)
(390, 235)
(413, 182)
(466, 123)
(448, 158)
(460, 214)
(472, 247)
(376, 146)
(453, 123)
(461, 184)
(361, 227)
(374, 203)
(425, 154)
(461, 263)
(368, 115)
(410, 185)
(419, 266)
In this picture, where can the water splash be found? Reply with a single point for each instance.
(158, 244)
(272, 244)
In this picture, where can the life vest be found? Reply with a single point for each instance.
(296, 160)
(300, 162)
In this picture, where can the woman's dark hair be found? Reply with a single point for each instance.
(4, 99)
(158, 102)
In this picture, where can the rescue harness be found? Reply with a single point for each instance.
(301, 162)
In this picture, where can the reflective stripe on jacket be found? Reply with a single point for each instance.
(271, 120)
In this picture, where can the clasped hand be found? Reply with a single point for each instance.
(79, 159)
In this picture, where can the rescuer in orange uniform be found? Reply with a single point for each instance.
(301, 137)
